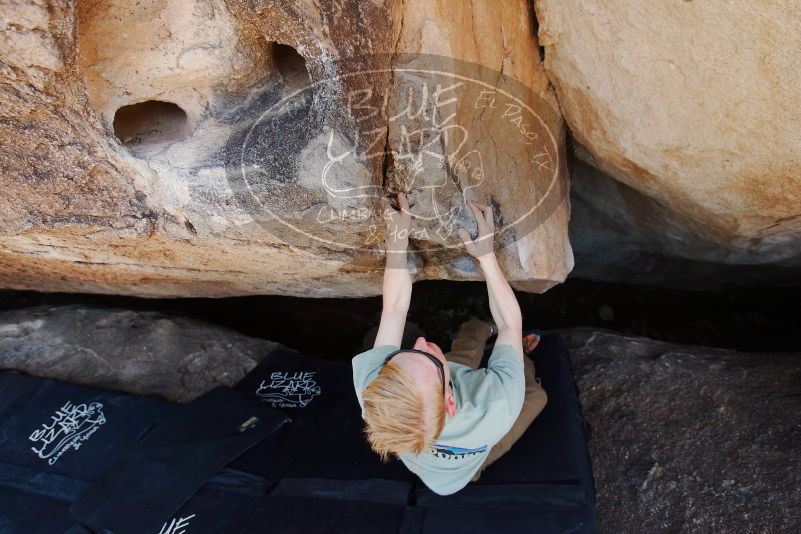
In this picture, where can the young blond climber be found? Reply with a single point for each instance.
(441, 415)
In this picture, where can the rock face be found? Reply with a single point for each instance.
(620, 234)
(213, 148)
(146, 353)
(695, 106)
(690, 439)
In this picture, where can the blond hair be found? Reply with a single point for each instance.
(397, 415)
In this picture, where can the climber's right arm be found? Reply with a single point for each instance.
(503, 303)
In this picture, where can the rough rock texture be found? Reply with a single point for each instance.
(695, 105)
(168, 147)
(690, 439)
(619, 234)
(146, 353)
(501, 36)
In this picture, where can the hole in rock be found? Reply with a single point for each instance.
(150, 122)
(290, 65)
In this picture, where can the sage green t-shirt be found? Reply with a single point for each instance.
(488, 401)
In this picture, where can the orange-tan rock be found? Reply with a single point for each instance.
(696, 105)
(210, 147)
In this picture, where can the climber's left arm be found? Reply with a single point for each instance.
(397, 288)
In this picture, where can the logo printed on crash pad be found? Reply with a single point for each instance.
(285, 389)
(70, 426)
(176, 525)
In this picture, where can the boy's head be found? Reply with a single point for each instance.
(405, 406)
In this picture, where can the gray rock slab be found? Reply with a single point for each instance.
(690, 439)
(141, 352)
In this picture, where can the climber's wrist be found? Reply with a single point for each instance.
(397, 244)
(488, 261)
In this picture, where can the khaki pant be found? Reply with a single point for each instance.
(468, 349)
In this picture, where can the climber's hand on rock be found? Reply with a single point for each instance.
(398, 222)
(483, 243)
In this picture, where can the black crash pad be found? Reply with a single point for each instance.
(70, 430)
(325, 440)
(309, 469)
(173, 461)
(54, 439)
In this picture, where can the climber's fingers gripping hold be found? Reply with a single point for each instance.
(483, 243)
(483, 215)
(398, 220)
